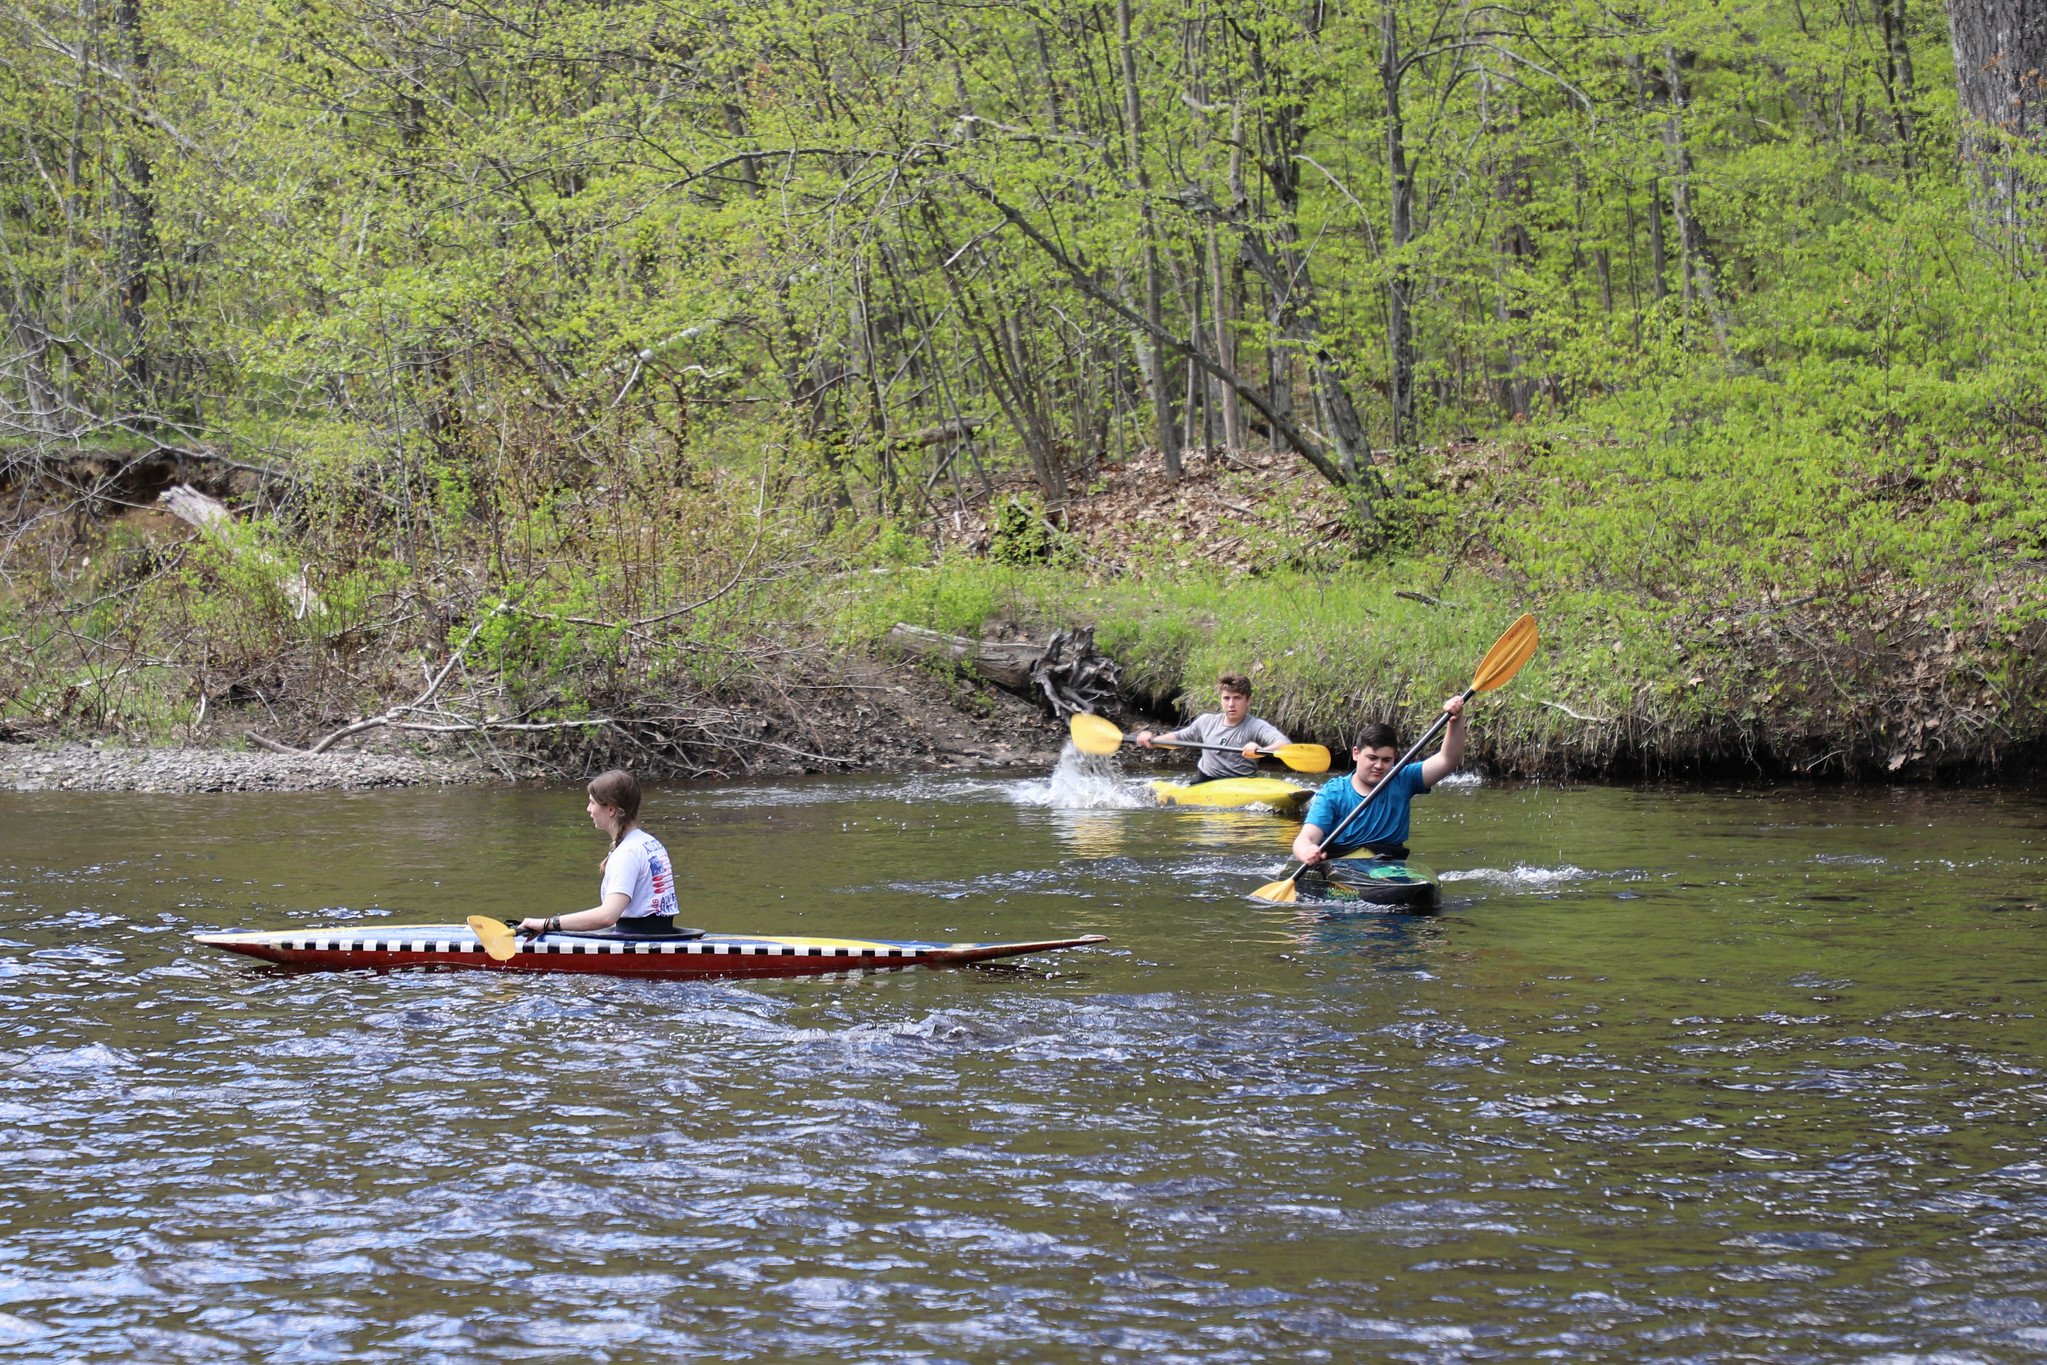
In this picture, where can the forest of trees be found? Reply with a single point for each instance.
(451, 262)
(1022, 231)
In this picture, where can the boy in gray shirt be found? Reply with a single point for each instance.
(1234, 726)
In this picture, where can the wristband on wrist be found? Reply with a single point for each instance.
(554, 924)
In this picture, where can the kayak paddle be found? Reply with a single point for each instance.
(1093, 735)
(500, 940)
(1500, 664)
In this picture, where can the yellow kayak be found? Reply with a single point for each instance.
(1235, 791)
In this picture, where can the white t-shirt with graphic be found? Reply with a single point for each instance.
(640, 868)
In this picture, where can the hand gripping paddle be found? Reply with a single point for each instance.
(500, 940)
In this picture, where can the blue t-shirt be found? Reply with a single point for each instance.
(1383, 823)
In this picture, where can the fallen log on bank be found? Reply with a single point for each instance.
(1065, 674)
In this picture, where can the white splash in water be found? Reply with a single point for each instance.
(1082, 782)
(1520, 876)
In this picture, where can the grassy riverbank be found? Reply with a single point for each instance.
(1821, 551)
(1618, 688)
(1757, 589)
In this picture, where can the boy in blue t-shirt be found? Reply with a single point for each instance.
(1382, 826)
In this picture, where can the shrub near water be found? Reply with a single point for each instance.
(1843, 535)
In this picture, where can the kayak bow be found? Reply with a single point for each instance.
(1235, 791)
(383, 947)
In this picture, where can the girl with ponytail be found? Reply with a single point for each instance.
(638, 891)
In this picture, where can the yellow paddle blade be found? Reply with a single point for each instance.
(1284, 893)
(1505, 658)
(1093, 735)
(500, 940)
(1303, 758)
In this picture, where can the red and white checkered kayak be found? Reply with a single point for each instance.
(387, 946)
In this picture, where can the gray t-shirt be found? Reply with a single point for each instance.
(1209, 729)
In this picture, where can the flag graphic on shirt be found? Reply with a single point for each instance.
(664, 886)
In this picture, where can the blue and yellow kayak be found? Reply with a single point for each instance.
(1363, 880)
(386, 946)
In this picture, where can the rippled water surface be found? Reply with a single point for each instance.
(1673, 1076)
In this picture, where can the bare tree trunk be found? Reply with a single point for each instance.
(999, 347)
(1225, 347)
(2000, 55)
(1659, 252)
(808, 383)
(1279, 383)
(1046, 72)
(1659, 256)
(1195, 415)
(137, 238)
(1084, 280)
(1399, 284)
(29, 338)
(1602, 263)
(1286, 275)
(1279, 389)
(1150, 355)
(1898, 77)
(1228, 299)
(1277, 256)
(72, 199)
(1511, 247)
(1033, 405)
(1698, 264)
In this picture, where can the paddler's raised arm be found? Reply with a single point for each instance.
(1450, 757)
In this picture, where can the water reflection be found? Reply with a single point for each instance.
(1091, 834)
(1388, 940)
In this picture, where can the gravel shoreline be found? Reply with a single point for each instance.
(892, 723)
(86, 767)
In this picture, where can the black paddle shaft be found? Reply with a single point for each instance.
(1442, 719)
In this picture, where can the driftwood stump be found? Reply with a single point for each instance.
(212, 518)
(1064, 674)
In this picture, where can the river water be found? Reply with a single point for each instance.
(1674, 1075)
